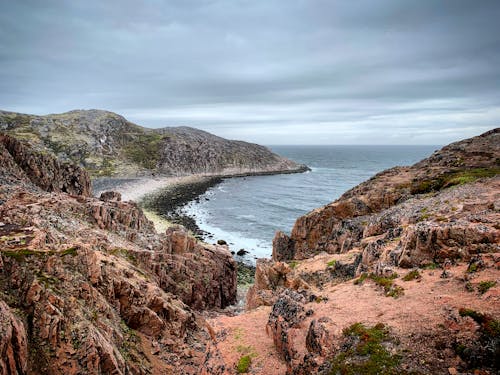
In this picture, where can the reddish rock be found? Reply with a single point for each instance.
(111, 196)
(97, 282)
(44, 170)
(13, 343)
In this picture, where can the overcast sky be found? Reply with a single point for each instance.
(272, 72)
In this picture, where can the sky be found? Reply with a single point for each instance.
(271, 72)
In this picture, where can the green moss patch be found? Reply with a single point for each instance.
(331, 263)
(452, 179)
(484, 286)
(365, 352)
(243, 364)
(144, 149)
(387, 283)
(412, 275)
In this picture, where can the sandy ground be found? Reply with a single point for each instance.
(425, 305)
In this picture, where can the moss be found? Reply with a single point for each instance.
(243, 364)
(69, 251)
(452, 179)
(361, 279)
(293, 264)
(365, 353)
(484, 286)
(331, 263)
(469, 287)
(412, 275)
(387, 283)
(473, 267)
(478, 317)
(124, 253)
(20, 254)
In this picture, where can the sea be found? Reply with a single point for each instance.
(246, 212)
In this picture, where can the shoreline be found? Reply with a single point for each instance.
(162, 197)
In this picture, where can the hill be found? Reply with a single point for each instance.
(106, 144)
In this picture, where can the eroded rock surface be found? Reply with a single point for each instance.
(399, 275)
(359, 213)
(88, 286)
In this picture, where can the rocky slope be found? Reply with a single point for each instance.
(400, 275)
(107, 144)
(87, 286)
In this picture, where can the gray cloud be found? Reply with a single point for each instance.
(295, 71)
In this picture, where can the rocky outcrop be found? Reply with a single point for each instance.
(287, 313)
(107, 144)
(88, 286)
(359, 213)
(399, 275)
(13, 342)
(43, 170)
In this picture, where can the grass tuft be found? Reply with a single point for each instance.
(412, 275)
(484, 286)
(244, 364)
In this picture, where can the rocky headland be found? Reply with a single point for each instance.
(106, 144)
(400, 275)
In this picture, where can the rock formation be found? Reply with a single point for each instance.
(106, 144)
(88, 286)
(362, 211)
(400, 275)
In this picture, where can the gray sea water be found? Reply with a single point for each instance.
(246, 212)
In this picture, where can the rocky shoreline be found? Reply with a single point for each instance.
(168, 201)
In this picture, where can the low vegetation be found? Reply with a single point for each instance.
(144, 150)
(243, 364)
(387, 283)
(365, 352)
(412, 275)
(484, 286)
(452, 179)
(331, 263)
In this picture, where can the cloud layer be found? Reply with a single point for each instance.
(273, 72)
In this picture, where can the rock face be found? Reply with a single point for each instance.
(399, 275)
(107, 144)
(43, 170)
(365, 211)
(88, 286)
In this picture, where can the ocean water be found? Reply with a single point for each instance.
(246, 212)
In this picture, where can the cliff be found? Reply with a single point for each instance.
(106, 144)
(88, 286)
(342, 225)
(400, 275)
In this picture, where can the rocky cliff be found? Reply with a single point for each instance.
(107, 144)
(87, 286)
(400, 275)
(359, 213)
